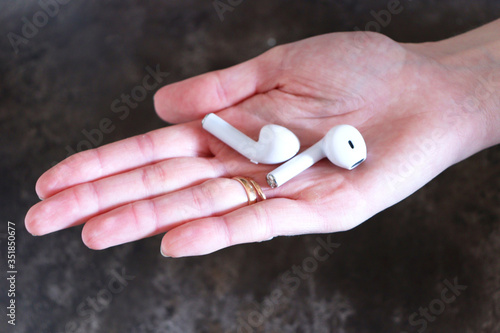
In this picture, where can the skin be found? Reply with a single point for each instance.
(420, 107)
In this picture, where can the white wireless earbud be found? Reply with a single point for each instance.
(276, 143)
(343, 145)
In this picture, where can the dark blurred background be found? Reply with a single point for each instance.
(63, 79)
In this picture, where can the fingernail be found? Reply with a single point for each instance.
(163, 254)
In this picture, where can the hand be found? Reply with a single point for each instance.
(402, 98)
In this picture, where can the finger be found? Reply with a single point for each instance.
(81, 202)
(149, 217)
(193, 98)
(175, 141)
(262, 221)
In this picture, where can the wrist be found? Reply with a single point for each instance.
(471, 62)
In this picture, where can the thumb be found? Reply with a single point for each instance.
(195, 97)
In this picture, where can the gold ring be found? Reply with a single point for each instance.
(252, 189)
(260, 193)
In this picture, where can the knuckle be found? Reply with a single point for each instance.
(159, 173)
(86, 193)
(151, 176)
(203, 195)
(146, 181)
(263, 218)
(136, 208)
(226, 231)
(220, 88)
(145, 145)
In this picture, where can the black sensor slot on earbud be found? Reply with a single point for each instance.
(357, 163)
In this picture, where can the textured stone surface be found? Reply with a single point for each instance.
(63, 81)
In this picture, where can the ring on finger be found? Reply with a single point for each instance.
(252, 189)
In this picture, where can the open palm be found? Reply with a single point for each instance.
(178, 179)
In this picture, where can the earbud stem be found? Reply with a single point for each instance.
(225, 132)
(296, 165)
